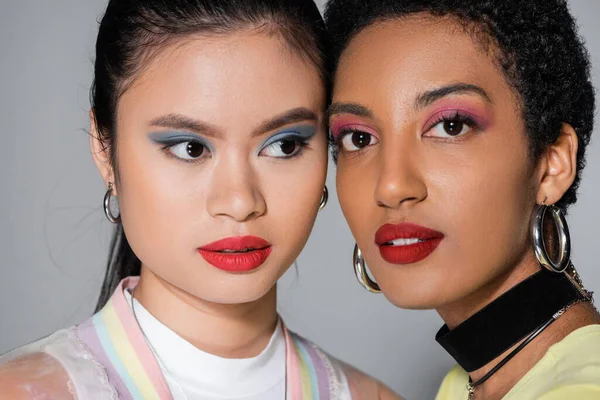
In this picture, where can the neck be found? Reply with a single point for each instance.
(225, 330)
(456, 312)
(504, 379)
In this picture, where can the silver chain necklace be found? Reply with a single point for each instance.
(160, 361)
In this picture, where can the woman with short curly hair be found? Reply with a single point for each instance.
(459, 129)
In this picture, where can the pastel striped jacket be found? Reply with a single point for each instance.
(107, 357)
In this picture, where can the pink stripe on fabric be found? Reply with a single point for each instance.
(88, 336)
(137, 340)
(294, 383)
(321, 372)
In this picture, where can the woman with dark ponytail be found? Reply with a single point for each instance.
(208, 128)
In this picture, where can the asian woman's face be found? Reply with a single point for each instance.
(434, 175)
(221, 158)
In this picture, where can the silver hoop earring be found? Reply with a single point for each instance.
(360, 270)
(564, 239)
(324, 198)
(107, 210)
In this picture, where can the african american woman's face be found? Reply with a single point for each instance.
(221, 159)
(434, 175)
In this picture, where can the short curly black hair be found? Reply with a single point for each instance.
(539, 51)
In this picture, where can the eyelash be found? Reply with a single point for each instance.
(167, 146)
(453, 116)
(302, 143)
(339, 135)
(303, 146)
(336, 141)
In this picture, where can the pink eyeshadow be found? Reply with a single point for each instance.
(342, 124)
(479, 113)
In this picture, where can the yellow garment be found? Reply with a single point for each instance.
(570, 370)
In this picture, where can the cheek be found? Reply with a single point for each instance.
(486, 196)
(344, 187)
(293, 193)
(159, 199)
(355, 184)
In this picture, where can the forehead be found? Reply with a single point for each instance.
(224, 79)
(407, 56)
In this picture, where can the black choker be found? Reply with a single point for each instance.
(528, 307)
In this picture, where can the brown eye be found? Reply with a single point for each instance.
(453, 128)
(361, 139)
(194, 149)
(284, 148)
(358, 140)
(188, 150)
(288, 146)
(450, 128)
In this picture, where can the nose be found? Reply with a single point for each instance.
(399, 182)
(235, 190)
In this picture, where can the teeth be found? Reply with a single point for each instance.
(236, 251)
(405, 242)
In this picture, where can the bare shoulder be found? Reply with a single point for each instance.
(34, 376)
(365, 387)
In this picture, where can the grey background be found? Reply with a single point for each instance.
(54, 237)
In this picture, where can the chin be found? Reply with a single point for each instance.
(411, 301)
(228, 298)
(413, 294)
(236, 294)
(240, 298)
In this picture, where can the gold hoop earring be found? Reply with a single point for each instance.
(324, 198)
(360, 270)
(107, 211)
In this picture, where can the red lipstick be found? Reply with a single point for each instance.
(406, 243)
(237, 254)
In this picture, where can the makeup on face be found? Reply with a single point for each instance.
(298, 132)
(171, 138)
(186, 146)
(406, 243)
(468, 110)
(350, 134)
(298, 136)
(461, 110)
(236, 253)
(346, 123)
(301, 134)
(450, 118)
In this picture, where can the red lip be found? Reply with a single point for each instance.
(237, 254)
(408, 254)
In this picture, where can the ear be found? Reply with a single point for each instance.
(101, 154)
(558, 166)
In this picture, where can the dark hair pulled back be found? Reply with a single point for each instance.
(132, 32)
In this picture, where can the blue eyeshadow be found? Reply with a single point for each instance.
(300, 132)
(171, 138)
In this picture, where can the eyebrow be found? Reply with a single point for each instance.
(429, 97)
(299, 114)
(349, 108)
(423, 100)
(178, 121)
